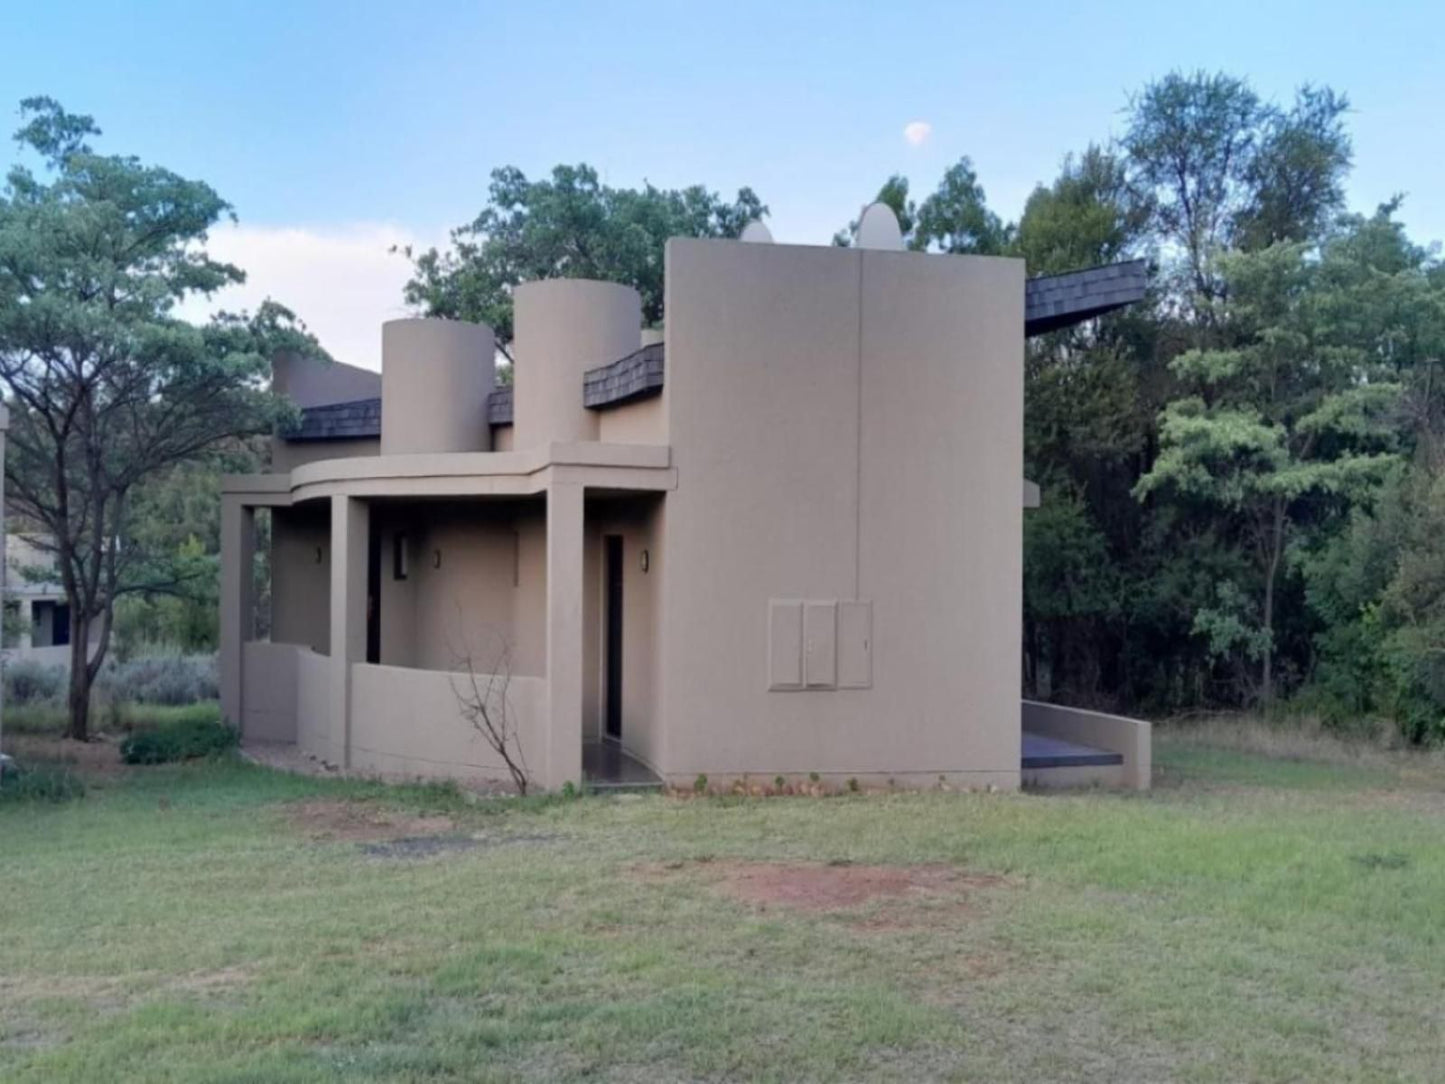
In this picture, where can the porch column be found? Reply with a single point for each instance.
(238, 553)
(563, 760)
(350, 536)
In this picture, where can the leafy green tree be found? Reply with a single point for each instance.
(956, 217)
(1225, 170)
(106, 385)
(570, 225)
(1090, 215)
(1290, 426)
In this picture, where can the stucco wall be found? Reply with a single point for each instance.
(300, 583)
(846, 425)
(313, 705)
(410, 721)
(1130, 738)
(313, 382)
(563, 328)
(476, 582)
(436, 376)
(642, 422)
(288, 454)
(269, 698)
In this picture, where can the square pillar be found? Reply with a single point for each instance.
(563, 760)
(238, 553)
(350, 537)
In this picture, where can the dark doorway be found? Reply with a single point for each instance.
(61, 627)
(373, 595)
(614, 635)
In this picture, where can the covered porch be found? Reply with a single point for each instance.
(393, 611)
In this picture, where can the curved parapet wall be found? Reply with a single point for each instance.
(565, 327)
(435, 379)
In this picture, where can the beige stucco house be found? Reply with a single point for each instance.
(781, 536)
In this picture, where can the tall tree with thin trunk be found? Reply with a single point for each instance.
(106, 385)
(1289, 427)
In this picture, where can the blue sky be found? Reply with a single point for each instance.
(339, 129)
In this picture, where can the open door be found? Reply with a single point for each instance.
(613, 726)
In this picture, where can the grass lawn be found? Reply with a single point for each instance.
(1254, 918)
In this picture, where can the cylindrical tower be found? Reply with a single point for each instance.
(563, 328)
(435, 379)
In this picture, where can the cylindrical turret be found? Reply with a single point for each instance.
(563, 328)
(435, 379)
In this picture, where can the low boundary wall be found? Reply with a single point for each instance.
(1130, 738)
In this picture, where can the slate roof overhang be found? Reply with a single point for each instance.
(626, 380)
(355, 420)
(1051, 302)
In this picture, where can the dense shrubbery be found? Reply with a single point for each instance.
(31, 682)
(161, 679)
(182, 739)
(40, 783)
(156, 679)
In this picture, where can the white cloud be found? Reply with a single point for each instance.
(916, 132)
(343, 281)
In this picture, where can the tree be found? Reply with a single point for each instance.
(1289, 427)
(1090, 215)
(570, 225)
(106, 385)
(1226, 170)
(956, 217)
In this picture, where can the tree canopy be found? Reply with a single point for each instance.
(106, 385)
(567, 225)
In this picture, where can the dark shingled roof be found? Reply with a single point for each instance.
(636, 376)
(1050, 302)
(339, 421)
(499, 406)
(1056, 301)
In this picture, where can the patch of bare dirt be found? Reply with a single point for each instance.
(99, 758)
(357, 822)
(822, 888)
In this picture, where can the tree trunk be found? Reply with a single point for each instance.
(78, 701)
(1266, 682)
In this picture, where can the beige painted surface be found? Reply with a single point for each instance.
(845, 425)
(436, 376)
(1131, 738)
(301, 576)
(641, 422)
(287, 455)
(350, 534)
(313, 704)
(839, 440)
(563, 328)
(410, 721)
(475, 585)
(564, 623)
(311, 382)
(270, 692)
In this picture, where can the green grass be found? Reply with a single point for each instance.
(48, 718)
(1255, 918)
